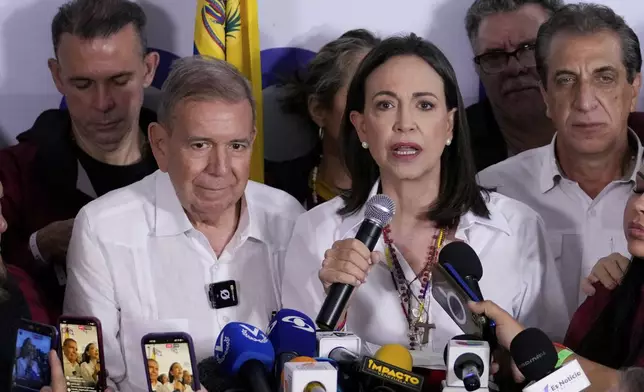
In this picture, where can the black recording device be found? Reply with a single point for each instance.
(223, 294)
(378, 213)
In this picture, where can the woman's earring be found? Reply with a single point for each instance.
(321, 133)
(448, 142)
(365, 145)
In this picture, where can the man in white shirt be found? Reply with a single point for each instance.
(589, 62)
(70, 358)
(193, 246)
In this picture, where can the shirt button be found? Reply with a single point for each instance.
(225, 319)
(592, 212)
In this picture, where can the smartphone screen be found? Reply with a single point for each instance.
(453, 299)
(81, 352)
(170, 361)
(31, 363)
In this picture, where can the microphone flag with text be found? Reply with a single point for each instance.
(379, 210)
(536, 358)
(292, 334)
(244, 350)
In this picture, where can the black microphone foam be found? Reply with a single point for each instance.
(463, 258)
(378, 213)
(534, 354)
(215, 381)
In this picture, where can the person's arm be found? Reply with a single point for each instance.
(601, 377)
(543, 304)
(90, 292)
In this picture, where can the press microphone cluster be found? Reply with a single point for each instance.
(536, 358)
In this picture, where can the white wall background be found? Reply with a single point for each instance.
(26, 88)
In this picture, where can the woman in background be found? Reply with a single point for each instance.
(27, 365)
(90, 367)
(608, 327)
(319, 96)
(406, 136)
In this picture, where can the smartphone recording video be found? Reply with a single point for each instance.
(82, 354)
(170, 361)
(31, 369)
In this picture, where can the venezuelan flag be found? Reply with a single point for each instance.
(229, 30)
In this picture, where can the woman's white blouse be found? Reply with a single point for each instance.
(519, 274)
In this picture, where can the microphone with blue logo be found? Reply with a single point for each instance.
(292, 334)
(244, 350)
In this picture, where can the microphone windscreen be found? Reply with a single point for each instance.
(462, 258)
(292, 332)
(239, 343)
(396, 355)
(459, 337)
(213, 380)
(534, 354)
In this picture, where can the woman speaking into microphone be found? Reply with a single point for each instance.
(405, 135)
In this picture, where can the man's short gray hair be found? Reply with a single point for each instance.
(588, 18)
(202, 78)
(484, 8)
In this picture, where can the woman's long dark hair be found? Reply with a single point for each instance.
(85, 357)
(458, 191)
(610, 339)
(170, 375)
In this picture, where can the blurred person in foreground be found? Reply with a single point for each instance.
(97, 144)
(302, 141)
(138, 255)
(405, 136)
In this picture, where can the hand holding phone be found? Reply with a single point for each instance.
(31, 369)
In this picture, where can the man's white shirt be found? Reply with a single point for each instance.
(518, 274)
(580, 230)
(137, 264)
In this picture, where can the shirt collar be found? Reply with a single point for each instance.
(551, 171)
(467, 221)
(171, 219)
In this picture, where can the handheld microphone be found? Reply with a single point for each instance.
(330, 340)
(466, 358)
(292, 334)
(384, 372)
(245, 350)
(466, 262)
(464, 265)
(310, 377)
(536, 358)
(378, 213)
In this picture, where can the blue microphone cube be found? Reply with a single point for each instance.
(292, 331)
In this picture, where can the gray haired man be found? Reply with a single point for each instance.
(512, 117)
(194, 245)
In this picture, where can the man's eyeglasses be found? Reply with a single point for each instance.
(495, 62)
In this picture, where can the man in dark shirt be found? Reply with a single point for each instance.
(98, 144)
(512, 118)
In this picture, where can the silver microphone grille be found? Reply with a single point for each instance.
(380, 209)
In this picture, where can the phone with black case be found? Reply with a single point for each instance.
(31, 370)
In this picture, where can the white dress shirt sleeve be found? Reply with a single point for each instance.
(90, 292)
(543, 304)
(301, 286)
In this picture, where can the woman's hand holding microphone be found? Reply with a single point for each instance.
(348, 261)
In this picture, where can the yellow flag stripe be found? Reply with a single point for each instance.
(229, 30)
